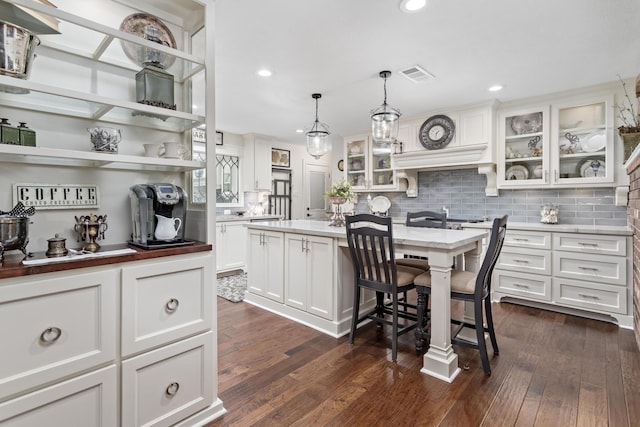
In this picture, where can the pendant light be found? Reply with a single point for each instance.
(318, 135)
(385, 119)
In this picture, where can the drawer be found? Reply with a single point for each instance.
(55, 327)
(590, 243)
(166, 385)
(166, 301)
(590, 296)
(596, 268)
(89, 400)
(529, 286)
(525, 260)
(527, 239)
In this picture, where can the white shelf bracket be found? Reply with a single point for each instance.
(489, 171)
(412, 181)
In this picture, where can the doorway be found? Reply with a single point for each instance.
(316, 183)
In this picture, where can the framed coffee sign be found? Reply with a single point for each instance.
(56, 196)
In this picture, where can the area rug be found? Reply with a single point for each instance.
(232, 287)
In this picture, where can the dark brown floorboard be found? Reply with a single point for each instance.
(553, 370)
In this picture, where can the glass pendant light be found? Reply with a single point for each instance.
(385, 119)
(318, 135)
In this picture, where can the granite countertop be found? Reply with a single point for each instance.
(231, 217)
(562, 228)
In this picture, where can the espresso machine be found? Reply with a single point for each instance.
(150, 201)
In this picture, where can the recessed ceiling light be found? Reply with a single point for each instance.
(299, 130)
(410, 6)
(495, 88)
(265, 72)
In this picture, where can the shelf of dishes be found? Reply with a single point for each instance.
(90, 38)
(62, 157)
(577, 166)
(41, 97)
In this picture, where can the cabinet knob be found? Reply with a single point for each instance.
(172, 305)
(172, 389)
(50, 335)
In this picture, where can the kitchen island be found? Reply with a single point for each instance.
(302, 270)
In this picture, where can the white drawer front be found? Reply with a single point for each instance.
(55, 327)
(89, 400)
(591, 243)
(166, 301)
(596, 268)
(590, 295)
(527, 239)
(529, 286)
(525, 260)
(164, 386)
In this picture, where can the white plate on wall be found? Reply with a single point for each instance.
(380, 204)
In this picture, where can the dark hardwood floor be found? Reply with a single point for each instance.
(553, 370)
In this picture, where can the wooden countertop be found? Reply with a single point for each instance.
(12, 265)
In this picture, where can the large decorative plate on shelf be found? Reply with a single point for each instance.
(595, 141)
(150, 28)
(527, 123)
(380, 204)
(517, 172)
(591, 168)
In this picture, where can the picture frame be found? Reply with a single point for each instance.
(280, 158)
(219, 138)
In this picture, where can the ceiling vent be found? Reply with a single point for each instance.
(416, 74)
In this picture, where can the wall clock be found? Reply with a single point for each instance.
(437, 132)
(341, 165)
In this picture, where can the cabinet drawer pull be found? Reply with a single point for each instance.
(592, 245)
(588, 296)
(172, 305)
(520, 239)
(172, 389)
(587, 268)
(524, 261)
(520, 285)
(50, 335)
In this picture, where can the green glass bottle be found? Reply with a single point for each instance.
(27, 136)
(8, 133)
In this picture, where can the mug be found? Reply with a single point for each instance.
(151, 150)
(171, 150)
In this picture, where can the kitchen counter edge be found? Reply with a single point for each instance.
(559, 228)
(12, 267)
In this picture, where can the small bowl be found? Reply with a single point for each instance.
(104, 139)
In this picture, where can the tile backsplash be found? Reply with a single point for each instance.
(462, 193)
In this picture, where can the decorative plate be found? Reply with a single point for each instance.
(592, 168)
(528, 123)
(595, 141)
(380, 204)
(519, 172)
(135, 24)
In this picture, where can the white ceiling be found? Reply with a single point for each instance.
(338, 47)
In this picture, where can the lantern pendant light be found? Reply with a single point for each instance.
(385, 119)
(318, 135)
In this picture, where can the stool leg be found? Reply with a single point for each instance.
(421, 306)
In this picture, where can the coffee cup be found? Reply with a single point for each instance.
(151, 150)
(171, 150)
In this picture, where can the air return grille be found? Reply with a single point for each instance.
(416, 74)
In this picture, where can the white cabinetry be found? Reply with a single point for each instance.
(368, 165)
(266, 264)
(590, 272)
(564, 144)
(309, 274)
(230, 249)
(257, 163)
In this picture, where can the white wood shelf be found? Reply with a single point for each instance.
(74, 158)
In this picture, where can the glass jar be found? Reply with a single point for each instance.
(549, 214)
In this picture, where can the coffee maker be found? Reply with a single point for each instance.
(149, 200)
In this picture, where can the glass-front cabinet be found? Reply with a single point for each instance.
(561, 145)
(367, 165)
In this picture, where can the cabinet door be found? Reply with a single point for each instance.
(89, 400)
(266, 264)
(230, 246)
(523, 148)
(166, 300)
(355, 165)
(55, 327)
(320, 277)
(296, 271)
(256, 263)
(262, 165)
(582, 142)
